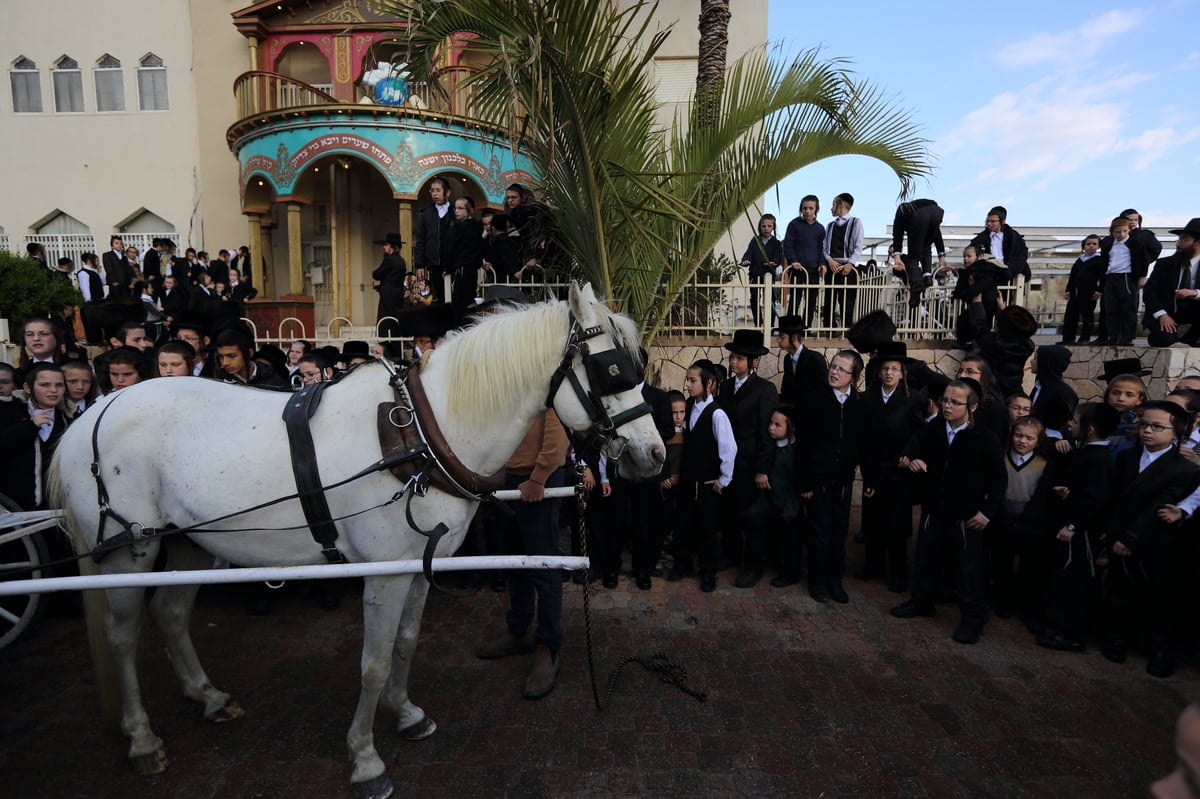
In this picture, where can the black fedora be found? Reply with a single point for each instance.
(892, 351)
(793, 325)
(355, 348)
(1192, 228)
(392, 239)
(1122, 366)
(747, 342)
(870, 331)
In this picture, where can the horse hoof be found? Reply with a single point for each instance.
(231, 711)
(419, 731)
(150, 763)
(378, 788)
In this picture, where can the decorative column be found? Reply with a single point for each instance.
(407, 218)
(253, 42)
(342, 71)
(295, 252)
(257, 274)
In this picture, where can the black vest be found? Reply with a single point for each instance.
(701, 456)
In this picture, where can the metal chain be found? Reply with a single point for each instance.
(660, 663)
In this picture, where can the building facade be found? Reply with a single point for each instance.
(288, 126)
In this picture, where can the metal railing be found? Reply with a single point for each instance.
(261, 92)
(707, 310)
(73, 245)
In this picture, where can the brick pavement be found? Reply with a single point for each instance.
(804, 700)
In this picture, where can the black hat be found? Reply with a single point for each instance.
(892, 351)
(935, 385)
(392, 239)
(192, 321)
(790, 324)
(747, 342)
(431, 320)
(274, 356)
(1122, 366)
(330, 352)
(870, 331)
(1192, 228)
(356, 348)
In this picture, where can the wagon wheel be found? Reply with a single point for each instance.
(19, 611)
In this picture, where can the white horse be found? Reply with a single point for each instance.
(185, 451)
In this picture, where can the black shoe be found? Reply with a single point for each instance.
(1113, 649)
(912, 608)
(819, 595)
(726, 563)
(1125, 343)
(1083, 341)
(610, 580)
(1160, 665)
(708, 583)
(678, 574)
(579, 577)
(1059, 642)
(642, 581)
(1103, 342)
(656, 572)
(783, 581)
(1067, 342)
(838, 594)
(747, 578)
(967, 633)
(896, 585)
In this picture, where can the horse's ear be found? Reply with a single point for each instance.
(580, 299)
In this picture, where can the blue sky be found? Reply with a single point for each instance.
(1066, 113)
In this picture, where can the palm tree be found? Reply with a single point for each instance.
(637, 208)
(710, 61)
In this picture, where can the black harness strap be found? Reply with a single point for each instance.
(299, 409)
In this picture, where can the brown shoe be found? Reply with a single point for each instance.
(543, 674)
(505, 645)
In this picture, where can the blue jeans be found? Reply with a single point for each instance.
(535, 532)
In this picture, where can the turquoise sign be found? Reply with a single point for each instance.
(406, 150)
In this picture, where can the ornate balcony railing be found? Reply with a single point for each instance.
(263, 92)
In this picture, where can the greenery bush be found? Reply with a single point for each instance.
(28, 289)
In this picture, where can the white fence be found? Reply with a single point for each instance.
(73, 245)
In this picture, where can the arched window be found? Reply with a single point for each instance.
(68, 86)
(26, 86)
(110, 85)
(152, 84)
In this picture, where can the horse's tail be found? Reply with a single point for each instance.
(56, 498)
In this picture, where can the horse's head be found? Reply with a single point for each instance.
(595, 389)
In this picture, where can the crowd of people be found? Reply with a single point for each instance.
(1117, 271)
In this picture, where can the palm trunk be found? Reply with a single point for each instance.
(710, 71)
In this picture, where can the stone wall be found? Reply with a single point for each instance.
(669, 363)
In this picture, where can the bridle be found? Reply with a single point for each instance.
(609, 372)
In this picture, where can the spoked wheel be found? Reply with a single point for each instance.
(19, 611)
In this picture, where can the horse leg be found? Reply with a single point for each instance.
(121, 626)
(412, 724)
(172, 609)
(383, 606)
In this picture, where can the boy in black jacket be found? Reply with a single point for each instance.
(1149, 480)
(964, 491)
(829, 444)
(1081, 500)
(1083, 289)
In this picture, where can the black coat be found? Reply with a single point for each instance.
(431, 239)
(811, 373)
(503, 253)
(1159, 293)
(390, 274)
(829, 439)
(1133, 519)
(117, 272)
(1087, 474)
(961, 479)
(889, 427)
(1015, 252)
(660, 412)
(1139, 255)
(749, 411)
(19, 448)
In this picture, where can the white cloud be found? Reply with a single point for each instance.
(1071, 45)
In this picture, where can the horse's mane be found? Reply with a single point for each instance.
(532, 339)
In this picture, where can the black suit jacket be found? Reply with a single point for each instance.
(811, 373)
(152, 265)
(117, 271)
(1133, 520)
(1138, 255)
(1159, 293)
(749, 411)
(963, 478)
(431, 239)
(1015, 251)
(660, 412)
(889, 426)
(19, 445)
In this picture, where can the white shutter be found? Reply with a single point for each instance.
(26, 91)
(110, 90)
(152, 89)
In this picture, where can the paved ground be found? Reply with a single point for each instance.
(804, 700)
